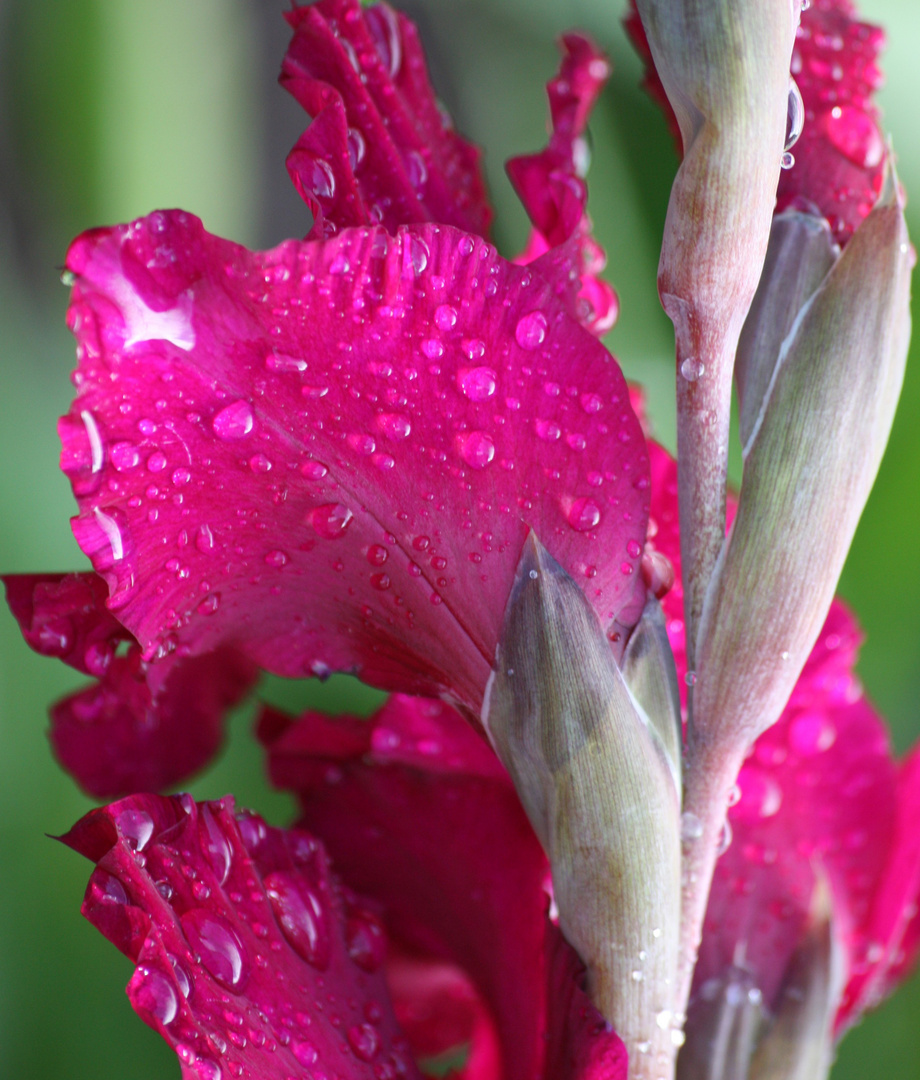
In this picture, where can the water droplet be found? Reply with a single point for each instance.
(222, 953)
(136, 826)
(633, 549)
(204, 540)
(445, 317)
(321, 179)
(377, 555)
(313, 470)
(365, 941)
(153, 993)
(305, 1053)
(787, 160)
(209, 605)
(691, 828)
(364, 1041)
(473, 348)
(259, 463)
(281, 362)
(855, 135)
(216, 845)
(207, 1069)
(591, 403)
(182, 980)
(418, 254)
(357, 148)
(663, 1019)
(156, 462)
(331, 520)
(476, 448)
(530, 332)
(583, 514)
(300, 916)
(394, 426)
(478, 383)
(690, 678)
(795, 116)
(233, 422)
(548, 430)
(362, 444)
(381, 582)
(181, 477)
(124, 456)
(692, 369)
(421, 543)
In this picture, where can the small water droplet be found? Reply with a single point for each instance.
(787, 160)
(394, 426)
(313, 470)
(811, 733)
(692, 369)
(691, 828)
(259, 463)
(365, 941)
(548, 430)
(357, 148)
(478, 383)
(690, 678)
(233, 422)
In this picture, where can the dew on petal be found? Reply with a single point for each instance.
(300, 916)
(477, 449)
(478, 383)
(583, 514)
(855, 135)
(530, 332)
(221, 951)
(153, 993)
(233, 422)
(331, 520)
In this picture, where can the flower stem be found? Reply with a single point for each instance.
(710, 774)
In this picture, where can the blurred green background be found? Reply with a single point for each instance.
(112, 108)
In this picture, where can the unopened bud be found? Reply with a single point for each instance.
(810, 463)
(600, 795)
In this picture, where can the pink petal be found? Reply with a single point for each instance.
(124, 732)
(552, 188)
(426, 802)
(379, 149)
(817, 794)
(330, 454)
(840, 157)
(890, 940)
(244, 942)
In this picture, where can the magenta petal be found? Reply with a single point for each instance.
(243, 941)
(817, 795)
(379, 148)
(840, 156)
(552, 188)
(125, 732)
(426, 802)
(330, 454)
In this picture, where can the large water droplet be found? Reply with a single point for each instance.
(530, 332)
(478, 383)
(364, 1041)
(233, 422)
(365, 940)
(216, 845)
(136, 826)
(221, 951)
(795, 116)
(300, 916)
(331, 520)
(153, 993)
(476, 448)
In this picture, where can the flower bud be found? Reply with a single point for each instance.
(810, 462)
(600, 795)
(800, 255)
(724, 66)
